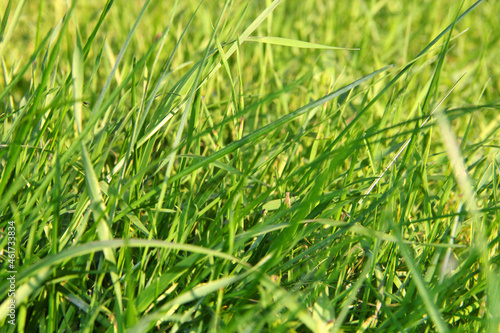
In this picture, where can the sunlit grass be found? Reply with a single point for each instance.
(244, 167)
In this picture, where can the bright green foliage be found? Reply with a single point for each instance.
(249, 166)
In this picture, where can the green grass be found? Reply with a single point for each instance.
(293, 166)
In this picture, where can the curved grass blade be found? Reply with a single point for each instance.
(294, 43)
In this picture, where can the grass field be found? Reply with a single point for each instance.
(260, 166)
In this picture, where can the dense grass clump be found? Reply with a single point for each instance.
(278, 166)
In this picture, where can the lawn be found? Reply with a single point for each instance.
(249, 166)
